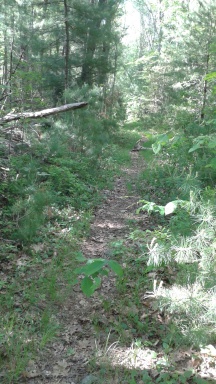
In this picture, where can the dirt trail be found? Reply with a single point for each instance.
(65, 360)
(81, 320)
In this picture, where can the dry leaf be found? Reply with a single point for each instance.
(144, 316)
(38, 247)
(196, 362)
(30, 374)
(61, 368)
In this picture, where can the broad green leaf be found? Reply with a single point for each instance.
(93, 266)
(115, 267)
(156, 148)
(96, 283)
(104, 272)
(198, 143)
(89, 286)
(195, 147)
(212, 143)
(79, 270)
(187, 375)
(151, 207)
(176, 139)
(145, 207)
(141, 208)
(163, 139)
(86, 286)
(160, 209)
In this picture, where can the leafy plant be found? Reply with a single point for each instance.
(162, 141)
(92, 271)
(163, 210)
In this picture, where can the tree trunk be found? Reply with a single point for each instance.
(205, 90)
(67, 44)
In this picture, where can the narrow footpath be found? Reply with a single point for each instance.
(65, 360)
(118, 332)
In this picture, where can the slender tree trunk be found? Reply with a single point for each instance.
(160, 26)
(142, 40)
(5, 64)
(67, 44)
(114, 79)
(11, 67)
(87, 67)
(205, 89)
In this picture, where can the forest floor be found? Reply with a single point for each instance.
(114, 336)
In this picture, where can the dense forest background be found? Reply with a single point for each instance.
(158, 88)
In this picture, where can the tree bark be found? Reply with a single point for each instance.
(67, 44)
(205, 90)
(45, 112)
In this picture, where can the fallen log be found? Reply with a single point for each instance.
(45, 112)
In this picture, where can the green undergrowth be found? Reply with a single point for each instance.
(138, 329)
(182, 174)
(166, 300)
(109, 374)
(48, 193)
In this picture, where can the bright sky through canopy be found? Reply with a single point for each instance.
(131, 21)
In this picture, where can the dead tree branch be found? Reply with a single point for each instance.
(45, 112)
